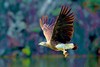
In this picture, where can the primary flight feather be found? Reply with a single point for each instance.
(59, 33)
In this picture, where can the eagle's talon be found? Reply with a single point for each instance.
(65, 53)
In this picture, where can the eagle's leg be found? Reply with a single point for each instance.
(65, 53)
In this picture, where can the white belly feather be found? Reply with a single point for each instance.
(62, 46)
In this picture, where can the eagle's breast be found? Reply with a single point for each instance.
(52, 45)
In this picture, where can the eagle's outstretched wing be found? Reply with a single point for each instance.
(47, 28)
(63, 28)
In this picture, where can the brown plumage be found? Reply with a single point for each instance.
(63, 28)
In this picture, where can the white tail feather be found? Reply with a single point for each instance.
(69, 46)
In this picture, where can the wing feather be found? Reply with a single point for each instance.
(47, 28)
(63, 28)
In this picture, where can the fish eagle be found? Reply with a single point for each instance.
(59, 33)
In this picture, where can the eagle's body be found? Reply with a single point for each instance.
(59, 33)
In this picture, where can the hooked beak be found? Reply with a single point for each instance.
(39, 44)
(42, 43)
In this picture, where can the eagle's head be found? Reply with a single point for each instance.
(43, 44)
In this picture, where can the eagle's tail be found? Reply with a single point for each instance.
(75, 47)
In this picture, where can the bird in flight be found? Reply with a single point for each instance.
(59, 33)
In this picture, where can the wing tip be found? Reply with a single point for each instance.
(44, 19)
(65, 9)
(41, 24)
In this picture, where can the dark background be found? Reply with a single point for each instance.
(20, 32)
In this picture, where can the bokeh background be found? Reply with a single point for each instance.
(20, 33)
